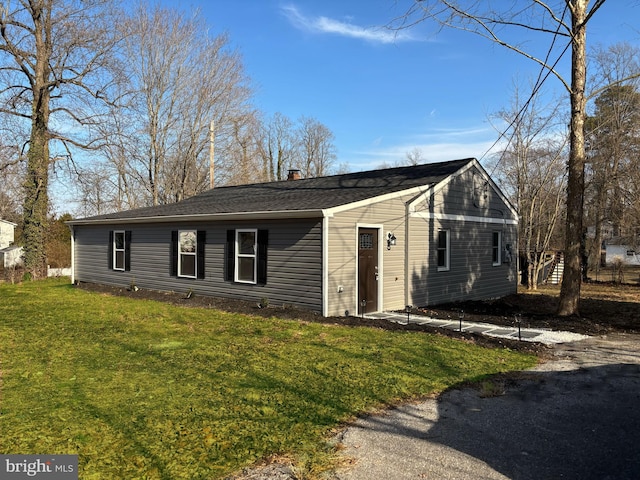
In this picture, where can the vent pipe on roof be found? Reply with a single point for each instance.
(294, 174)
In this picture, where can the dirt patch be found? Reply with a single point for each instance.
(604, 308)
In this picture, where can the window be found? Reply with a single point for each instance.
(187, 241)
(366, 241)
(187, 253)
(246, 259)
(443, 250)
(497, 248)
(246, 255)
(119, 250)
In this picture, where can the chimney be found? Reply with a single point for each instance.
(294, 174)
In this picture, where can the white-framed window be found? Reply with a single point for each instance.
(443, 250)
(496, 249)
(246, 250)
(187, 251)
(119, 249)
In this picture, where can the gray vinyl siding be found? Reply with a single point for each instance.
(418, 282)
(294, 261)
(471, 273)
(408, 271)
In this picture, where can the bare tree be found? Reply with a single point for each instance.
(550, 20)
(181, 80)
(531, 171)
(278, 145)
(415, 156)
(316, 151)
(54, 56)
(613, 145)
(245, 164)
(11, 172)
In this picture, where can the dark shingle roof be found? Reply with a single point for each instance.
(297, 195)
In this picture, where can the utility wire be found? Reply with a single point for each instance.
(539, 82)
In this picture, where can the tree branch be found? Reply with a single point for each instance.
(597, 92)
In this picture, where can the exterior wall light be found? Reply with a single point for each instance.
(391, 240)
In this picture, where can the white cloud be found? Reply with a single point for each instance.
(326, 25)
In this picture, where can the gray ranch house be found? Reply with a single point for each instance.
(339, 245)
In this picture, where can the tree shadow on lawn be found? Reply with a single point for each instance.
(580, 424)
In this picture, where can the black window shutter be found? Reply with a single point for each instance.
(263, 243)
(127, 250)
(174, 253)
(229, 264)
(202, 240)
(110, 250)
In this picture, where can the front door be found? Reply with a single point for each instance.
(368, 274)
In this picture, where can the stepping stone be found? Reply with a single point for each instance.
(500, 331)
(527, 334)
(476, 329)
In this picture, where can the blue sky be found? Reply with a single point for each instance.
(383, 95)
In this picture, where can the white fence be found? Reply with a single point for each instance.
(58, 272)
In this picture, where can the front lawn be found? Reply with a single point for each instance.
(150, 390)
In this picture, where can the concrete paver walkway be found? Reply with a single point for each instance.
(548, 337)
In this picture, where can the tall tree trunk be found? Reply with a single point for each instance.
(36, 200)
(572, 279)
(36, 183)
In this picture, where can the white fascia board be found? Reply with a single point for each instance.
(325, 265)
(463, 218)
(73, 254)
(483, 174)
(216, 217)
(438, 186)
(10, 223)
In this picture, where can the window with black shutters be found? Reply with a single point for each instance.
(187, 253)
(120, 250)
(246, 256)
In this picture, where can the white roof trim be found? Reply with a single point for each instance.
(380, 198)
(485, 176)
(463, 218)
(10, 223)
(280, 214)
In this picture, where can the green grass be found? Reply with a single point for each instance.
(145, 390)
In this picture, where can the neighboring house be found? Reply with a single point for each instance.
(623, 250)
(338, 245)
(10, 255)
(7, 233)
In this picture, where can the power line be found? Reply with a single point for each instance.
(539, 82)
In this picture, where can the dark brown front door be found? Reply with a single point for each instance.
(367, 270)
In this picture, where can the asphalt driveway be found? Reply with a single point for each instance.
(575, 417)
